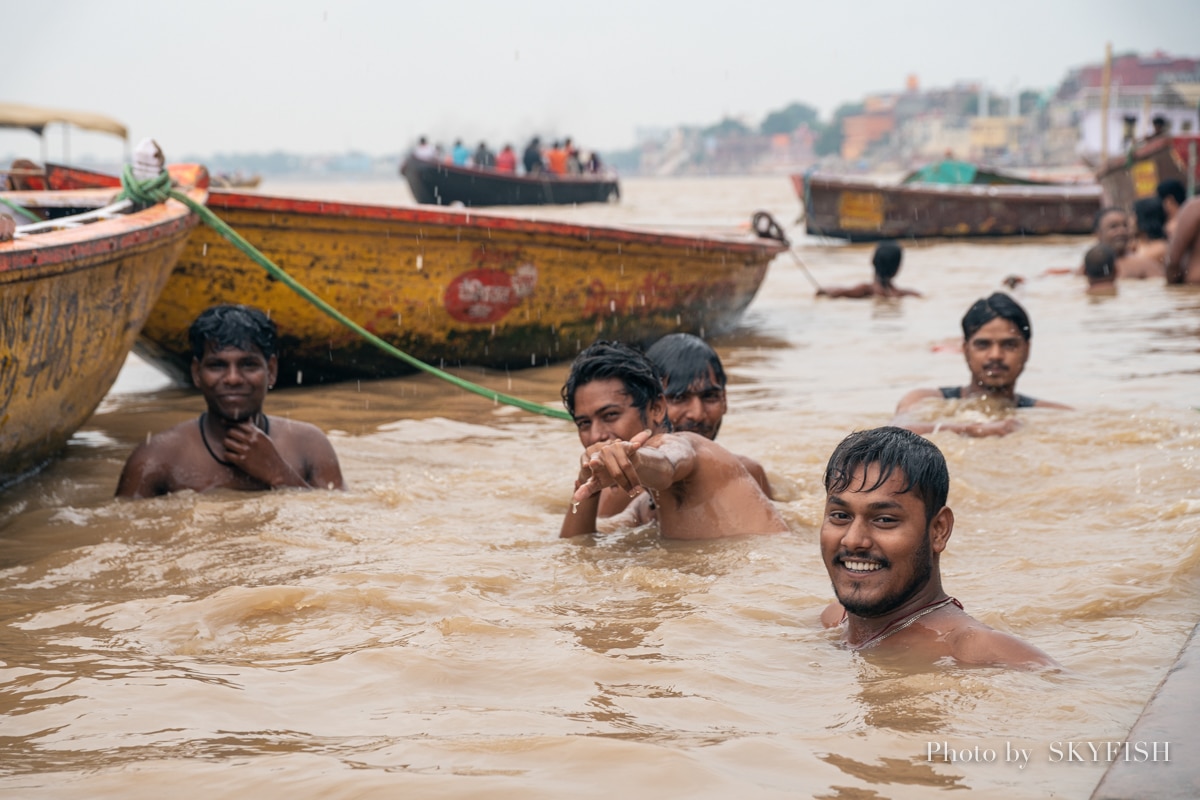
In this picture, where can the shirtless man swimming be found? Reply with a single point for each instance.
(233, 444)
(996, 334)
(886, 262)
(699, 489)
(885, 526)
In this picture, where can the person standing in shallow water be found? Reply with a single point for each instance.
(233, 444)
(699, 489)
(886, 262)
(885, 526)
(996, 336)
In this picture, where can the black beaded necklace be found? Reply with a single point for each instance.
(265, 427)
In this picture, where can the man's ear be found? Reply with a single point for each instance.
(940, 528)
(657, 413)
(272, 371)
(195, 372)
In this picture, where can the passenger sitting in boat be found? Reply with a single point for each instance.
(887, 264)
(556, 159)
(885, 526)
(484, 158)
(698, 489)
(1173, 195)
(573, 165)
(1112, 228)
(460, 156)
(1100, 267)
(233, 444)
(532, 159)
(8, 227)
(996, 336)
(506, 159)
(424, 150)
(694, 384)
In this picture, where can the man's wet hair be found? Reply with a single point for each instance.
(1150, 217)
(683, 359)
(986, 309)
(887, 261)
(604, 360)
(1100, 263)
(918, 460)
(1104, 212)
(237, 326)
(1171, 187)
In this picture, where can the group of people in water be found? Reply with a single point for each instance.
(648, 423)
(1157, 242)
(560, 158)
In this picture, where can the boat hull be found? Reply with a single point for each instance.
(447, 288)
(862, 210)
(436, 183)
(1130, 178)
(71, 305)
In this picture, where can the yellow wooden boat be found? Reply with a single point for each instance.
(75, 289)
(448, 288)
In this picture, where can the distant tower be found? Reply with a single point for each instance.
(911, 83)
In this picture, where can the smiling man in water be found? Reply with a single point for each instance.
(886, 524)
(233, 445)
(996, 336)
(696, 488)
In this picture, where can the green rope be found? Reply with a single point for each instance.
(19, 209)
(136, 189)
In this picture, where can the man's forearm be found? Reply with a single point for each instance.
(581, 517)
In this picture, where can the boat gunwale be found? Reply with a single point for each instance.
(101, 237)
(1032, 192)
(483, 222)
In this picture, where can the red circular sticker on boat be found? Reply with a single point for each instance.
(486, 295)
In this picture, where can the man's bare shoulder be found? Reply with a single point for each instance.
(759, 474)
(974, 643)
(169, 442)
(299, 435)
(1139, 267)
(916, 396)
(151, 467)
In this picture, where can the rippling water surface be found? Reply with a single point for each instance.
(427, 634)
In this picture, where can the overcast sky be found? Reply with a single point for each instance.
(311, 76)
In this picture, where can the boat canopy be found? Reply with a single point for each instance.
(956, 172)
(15, 115)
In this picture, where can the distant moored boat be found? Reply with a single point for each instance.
(947, 199)
(441, 184)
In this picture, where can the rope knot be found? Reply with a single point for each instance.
(150, 191)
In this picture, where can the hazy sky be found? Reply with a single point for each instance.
(322, 77)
